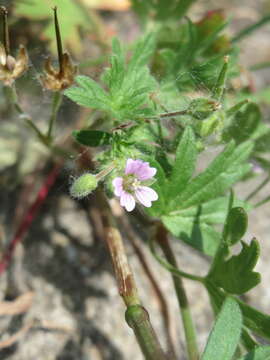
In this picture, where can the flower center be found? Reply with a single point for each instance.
(130, 183)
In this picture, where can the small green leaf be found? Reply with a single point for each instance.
(199, 235)
(161, 9)
(129, 85)
(227, 168)
(219, 88)
(92, 87)
(92, 137)
(210, 40)
(260, 353)
(244, 123)
(263, 142)
(236, 225)
(254, 320)
(143, 51)
(226, 332)
(89, 94)
(184, 165)
(235, 108)
(193, 225)
(235, 275)
(211, 212)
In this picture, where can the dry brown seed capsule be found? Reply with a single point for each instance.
(10, 68)
(57, 80)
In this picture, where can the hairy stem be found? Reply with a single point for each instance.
(131, 235)
(136, 315)
(190, 334)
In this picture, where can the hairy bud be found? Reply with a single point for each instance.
(83, 185)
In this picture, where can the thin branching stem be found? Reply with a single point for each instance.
(12, 97)
(262, 202)
(258, 188)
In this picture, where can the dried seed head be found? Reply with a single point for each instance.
(57, 80)
(10, 68)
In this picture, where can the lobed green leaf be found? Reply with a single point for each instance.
(235, 275)
(224, 171)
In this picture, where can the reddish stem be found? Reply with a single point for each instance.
(29, 216)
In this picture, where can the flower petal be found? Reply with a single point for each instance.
(146, 195)
(140, 168)
(118, 186)
(146, 172)
(127, 201)
(132, 166)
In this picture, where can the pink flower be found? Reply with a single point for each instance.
(130, 186)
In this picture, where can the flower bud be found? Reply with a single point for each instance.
(210, 125)
(83, 185)
(201, 108)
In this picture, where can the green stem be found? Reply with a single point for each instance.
(258, 188)
(56, 103)
(12, 97)
(168, 266)
(138, 319)
(262, 202)
(190, 334)
(260, 66)
(136, 316)
(171, 114)
(248, 30)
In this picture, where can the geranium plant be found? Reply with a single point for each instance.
(158, 106)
